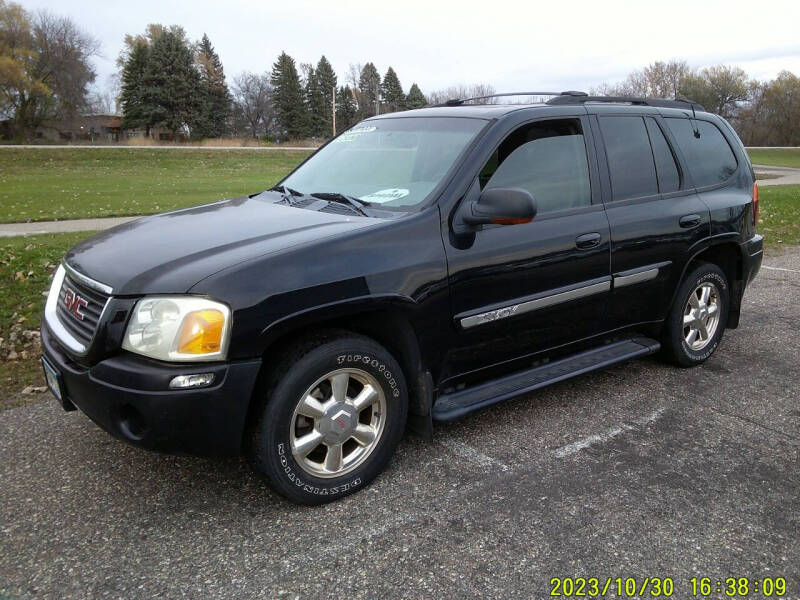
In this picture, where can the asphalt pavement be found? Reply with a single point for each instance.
(642, 470)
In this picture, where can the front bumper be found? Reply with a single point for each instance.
(129, 397)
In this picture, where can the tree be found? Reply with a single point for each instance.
(252, 103)
(346, 109)
(326, 83)
(475, 90)
(213, 120)
(172, 90)
(44, 67)
(719, 89)
(288, 97)
(415, 98)
(316, 106)
(135, 113)
(369, 84)
(393, 95)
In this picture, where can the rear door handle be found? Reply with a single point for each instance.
(689, 221)
(587, 240)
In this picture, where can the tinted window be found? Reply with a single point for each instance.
(669, 179)
(630, 159)
(548, 159)
(709, 157)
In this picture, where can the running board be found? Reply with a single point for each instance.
(457, 404)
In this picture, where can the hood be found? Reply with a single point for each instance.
(171, 252)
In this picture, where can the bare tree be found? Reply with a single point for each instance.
(657, 80)
(461, 92)
(252, 103)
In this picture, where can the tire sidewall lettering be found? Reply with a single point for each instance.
(286, 467)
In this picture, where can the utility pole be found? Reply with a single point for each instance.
(333, 111)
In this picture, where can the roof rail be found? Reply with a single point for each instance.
(460, 101)
(660, 102)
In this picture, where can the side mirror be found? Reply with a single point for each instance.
(501, 206)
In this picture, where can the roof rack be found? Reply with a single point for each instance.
(460, 101)
(660, 102)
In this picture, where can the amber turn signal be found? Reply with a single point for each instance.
(201, 332)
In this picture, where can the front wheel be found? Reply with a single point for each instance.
(697, 320)
(331, 419)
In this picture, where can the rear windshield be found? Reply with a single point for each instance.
(709, 156)
(393, 163)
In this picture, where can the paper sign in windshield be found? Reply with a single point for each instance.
(354, 134)
(384, 196)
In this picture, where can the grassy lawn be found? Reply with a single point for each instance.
(776, 157)
(38, 184)
(779, 215)
(26, 266)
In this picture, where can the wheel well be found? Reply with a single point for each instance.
(728, 258)
(387, 328)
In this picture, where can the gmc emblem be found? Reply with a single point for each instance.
(73, 303)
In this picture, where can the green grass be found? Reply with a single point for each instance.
(76, 183)
(779, 215)
(26, 266)
(776, 157)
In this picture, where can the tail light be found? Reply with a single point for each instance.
(755, 204)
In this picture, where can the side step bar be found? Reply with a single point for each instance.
(457, 404)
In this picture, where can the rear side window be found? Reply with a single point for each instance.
(710, 158)
(547, 158)
(630, 159)
(669, 178)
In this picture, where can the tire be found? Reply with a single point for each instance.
(680, 345)
(317, 412)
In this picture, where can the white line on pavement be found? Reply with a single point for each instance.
(474, 456)
(780, 269)
(606, 435)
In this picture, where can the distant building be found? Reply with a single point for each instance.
(91, 128)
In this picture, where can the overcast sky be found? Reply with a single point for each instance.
(525, 45)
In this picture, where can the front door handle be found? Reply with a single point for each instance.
(689, 221)
(587, 240)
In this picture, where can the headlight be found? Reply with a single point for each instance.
(179, 328)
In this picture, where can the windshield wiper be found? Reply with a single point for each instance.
(286, 193)
(343, 199)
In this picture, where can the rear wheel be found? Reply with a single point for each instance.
(697, 320)
(331, 419)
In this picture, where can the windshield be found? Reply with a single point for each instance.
(389, 163)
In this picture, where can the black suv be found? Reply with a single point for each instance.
(418, 267)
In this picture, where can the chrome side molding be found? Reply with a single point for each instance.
(625, 280)
(535, 304)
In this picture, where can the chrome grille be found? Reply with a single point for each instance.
(76, 300)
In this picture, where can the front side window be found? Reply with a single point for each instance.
(709, 156)
(630, 159)
(392, 163)
(546, 158)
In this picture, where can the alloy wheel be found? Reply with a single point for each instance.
(337, 423)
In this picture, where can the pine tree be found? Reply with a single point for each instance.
(171, 83)
(393, 94)
(288, 97)
(346, 109)
(135, 113)
(370, 86)
(315, 103)
(326, 82)
(415, 98)
(215, 112)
